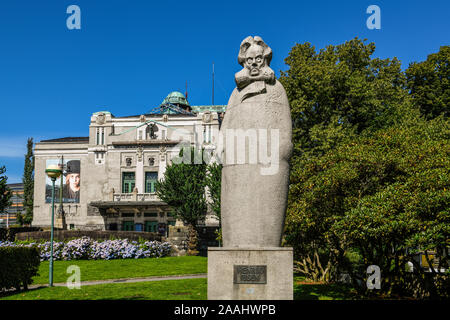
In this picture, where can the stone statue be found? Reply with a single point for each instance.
(255, 175)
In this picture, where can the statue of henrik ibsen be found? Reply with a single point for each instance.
(255, 147)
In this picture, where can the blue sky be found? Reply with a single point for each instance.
(130, 54)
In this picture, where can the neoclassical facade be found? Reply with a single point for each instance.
(109, 177)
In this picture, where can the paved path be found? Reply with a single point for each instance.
(128, 280)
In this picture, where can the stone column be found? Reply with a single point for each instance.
(162, 163)
(140, 180)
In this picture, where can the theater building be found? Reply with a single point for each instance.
(109, 176)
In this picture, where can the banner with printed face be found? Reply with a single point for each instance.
(70, 179)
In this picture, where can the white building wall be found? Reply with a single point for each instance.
(103, 161)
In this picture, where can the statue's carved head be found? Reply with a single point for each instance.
(255, 56)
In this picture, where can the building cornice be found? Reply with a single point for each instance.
(145, 142)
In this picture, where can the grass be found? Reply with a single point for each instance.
(321, 291)
(123, 268)
(190, 289)
(185, 289)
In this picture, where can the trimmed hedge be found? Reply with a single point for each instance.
(4, 234)
(63, 235)
(18, 265)
(9, 234)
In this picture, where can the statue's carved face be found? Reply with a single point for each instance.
(254, 60)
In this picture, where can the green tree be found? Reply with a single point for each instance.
(214, 185)
(28, 186)
(387, 196)
(336, 95)
(340, 91)
(183, 188)
(429, 83)
(5, 192)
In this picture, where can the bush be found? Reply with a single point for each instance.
(64, 235)
(3, 234)
(384, 195)
(9, 234)
(87, 248)
(17, 266)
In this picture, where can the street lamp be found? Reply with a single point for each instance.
(53, 171)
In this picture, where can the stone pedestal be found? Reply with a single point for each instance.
(250, 273)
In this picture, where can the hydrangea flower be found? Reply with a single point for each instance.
(87, 248)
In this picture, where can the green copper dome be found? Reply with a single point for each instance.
(176, 97)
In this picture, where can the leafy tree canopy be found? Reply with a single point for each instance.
(429, 82)
(369, 177)
(5, 192)
(385, 195)
(183, 188)
(339, 92)
(214, 183)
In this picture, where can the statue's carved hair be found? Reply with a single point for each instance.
(248, 42)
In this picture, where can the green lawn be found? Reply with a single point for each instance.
(186, 289)
(123, 268)
(306, 291)
(190, 289)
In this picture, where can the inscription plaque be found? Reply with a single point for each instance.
(250, 274)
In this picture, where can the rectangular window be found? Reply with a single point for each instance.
(128, 182)
(103, 136)
(127, 215)
(151, 226)
(150, 214)
(128, 226)
(150, 181)
(97, 142)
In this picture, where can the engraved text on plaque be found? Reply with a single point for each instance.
(250, 274)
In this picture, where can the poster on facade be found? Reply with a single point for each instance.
(70, 182)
